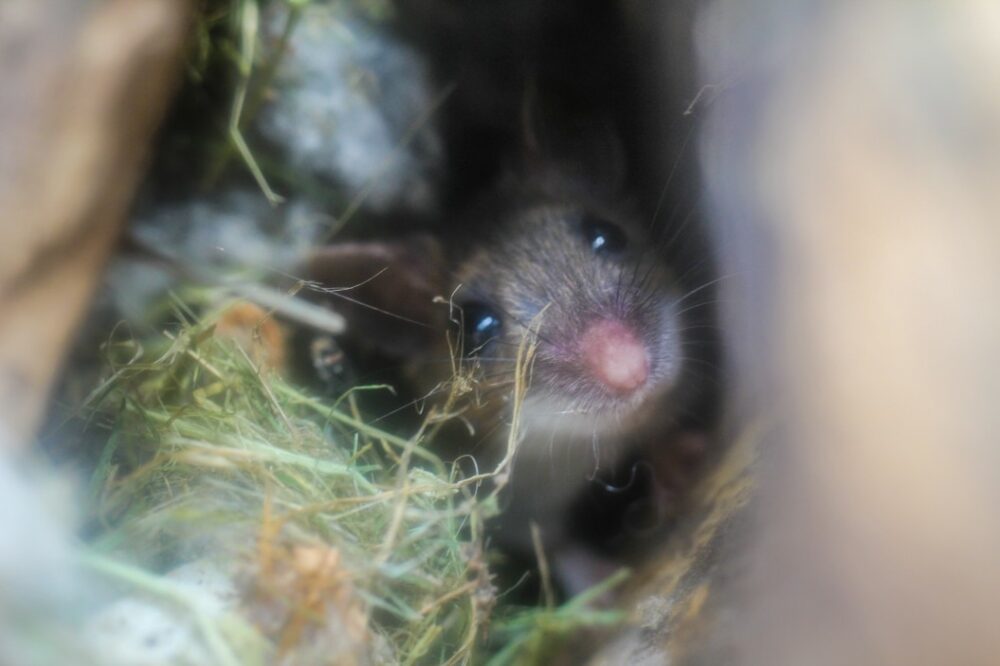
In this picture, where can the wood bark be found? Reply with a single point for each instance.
(85, 86)
(851, 153)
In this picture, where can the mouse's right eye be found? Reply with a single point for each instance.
(482, 324)
(603, 237)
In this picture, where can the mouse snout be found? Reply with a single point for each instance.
(615, 356)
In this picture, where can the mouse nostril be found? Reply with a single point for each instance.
(614, 356)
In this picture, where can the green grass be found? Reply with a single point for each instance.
(208, 455)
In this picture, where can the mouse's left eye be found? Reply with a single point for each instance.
(603, 237)
(482, 325)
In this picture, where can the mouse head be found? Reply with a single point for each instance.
(586, 282)
(583, 281)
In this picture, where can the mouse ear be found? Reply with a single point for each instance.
(586, 150)
(385, 290)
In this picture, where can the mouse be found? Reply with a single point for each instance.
(573, 316)
(548, 262)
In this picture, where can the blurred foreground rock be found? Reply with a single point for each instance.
(851, 158)
(85, 86)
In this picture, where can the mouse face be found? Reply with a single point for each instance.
(583, 281)
(589, 288)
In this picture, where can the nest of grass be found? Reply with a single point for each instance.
(322, 522)
(334, 541)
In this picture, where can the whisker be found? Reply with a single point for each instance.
(670, 176)
(704, 286)
(691, 359)
(388, 313)
(692, 308)
(597, 457)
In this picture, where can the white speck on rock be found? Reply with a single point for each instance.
(653, 612)
(346, 94)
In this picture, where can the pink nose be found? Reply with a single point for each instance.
(614, 356)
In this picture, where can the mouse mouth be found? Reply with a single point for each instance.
(602, 379)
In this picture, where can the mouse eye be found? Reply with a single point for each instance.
(603, 237)
(482, 325)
